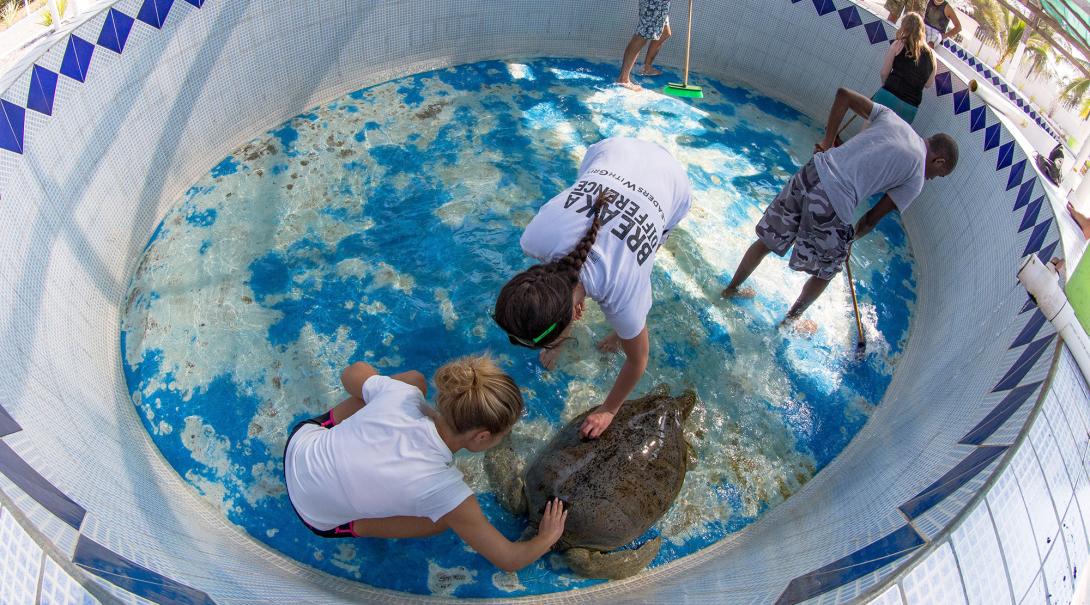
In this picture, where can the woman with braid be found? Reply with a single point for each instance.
(598, 239)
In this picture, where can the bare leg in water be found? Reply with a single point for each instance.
(753, 257)
(653, 51)
(631, 52)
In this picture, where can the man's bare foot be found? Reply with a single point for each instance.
(804, 327)
(1081, 219)
(610, 344)
(630, 85)
(650, 71)
(746, 292)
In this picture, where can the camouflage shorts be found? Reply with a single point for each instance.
(802, 215)
(654, 15)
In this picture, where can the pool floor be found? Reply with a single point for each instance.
(380, 227)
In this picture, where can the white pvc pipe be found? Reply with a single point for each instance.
(1043, 284)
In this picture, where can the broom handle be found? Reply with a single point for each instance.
(688, 41)
(851, 286)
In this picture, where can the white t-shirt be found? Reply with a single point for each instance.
(385, 460)
(653, 196)
(886, 157)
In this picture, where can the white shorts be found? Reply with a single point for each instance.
(934, 36)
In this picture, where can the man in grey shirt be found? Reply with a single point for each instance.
(815, 210)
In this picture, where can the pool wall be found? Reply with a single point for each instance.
(964, 480)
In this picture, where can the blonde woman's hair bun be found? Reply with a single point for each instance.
(474, 393)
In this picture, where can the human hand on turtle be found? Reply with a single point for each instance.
(596, 423)
(552, 522)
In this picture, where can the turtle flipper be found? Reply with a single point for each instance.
(615, 565)
(504, 469)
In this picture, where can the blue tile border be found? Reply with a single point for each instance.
(7, 423)
(135, 578)
(851, 567)
(962, 473)
(115, 30)
(999, 414)
(39, 488)
(77, 58)
(154, 12)
(43, 86)
(1024, 363)
(11, 129)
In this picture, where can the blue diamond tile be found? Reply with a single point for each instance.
(1018, 101)
(1000, 413)
(1029, 219)
(991, 137)
(154, 12)
(961, 101)
(39, 488)
(980, 67)
(970, 467)
(849, 16)
(876, 32)
(1024, 364)
(824, 7)
(115, 30)
(1004, 88)
(943, 83)
(977, 119)
(972, 61)
(1006, 155)
(1011, 95)
(11, 129)
(1033, 114)
(1024, 193)
(987, 73)
(43, 85)
(133, 577)
(1029, 331)
(1046, 253)
(995, 81)
(1015, 177)
(77, 58)
(1037, 237)
(197, 3)
(1029, 304)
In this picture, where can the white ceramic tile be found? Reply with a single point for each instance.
(20, 563)
(981, 560)
(891, 596)
(934, 580)
(1059, 577)
(1015, 533)
(58, 588)
(1035, 494)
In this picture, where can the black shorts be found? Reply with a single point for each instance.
(341, 531)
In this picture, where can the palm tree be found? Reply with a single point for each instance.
(989, 19)
(1074, 94)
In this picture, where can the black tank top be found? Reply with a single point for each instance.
(935, 15)
(907, 78)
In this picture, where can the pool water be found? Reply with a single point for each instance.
(380, 227)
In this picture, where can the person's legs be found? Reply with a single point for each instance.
(1082, 220)
(631, 52)
(653, 51)
(398, 527)
(811, 290)
(346, 408)
(750, 261)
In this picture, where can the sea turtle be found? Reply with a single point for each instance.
(616, 487)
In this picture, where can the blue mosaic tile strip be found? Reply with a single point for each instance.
(154, 12)
(824, 7)
(1014, 179)
(977, 119)
(1046, 253)
(1025, 362)
(1006, 155)
(1029, 219)
(43, 87)
(39, 488)
(962, 473)
(77, 58)
(1037, 237)
(991, 137)
(876, 32)
(8, 424)
(849, 16)
(1024, 193)
(961, 101)
(135, 578)
(115, 31)
(1029, 304)
(999, 414)
(11, 130)
(1030, 330)
(197, 3)
(856, 565)
(944, 83)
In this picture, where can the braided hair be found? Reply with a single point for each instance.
(541, 296)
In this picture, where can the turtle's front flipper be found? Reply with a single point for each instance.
(504, 470)
(615, 565)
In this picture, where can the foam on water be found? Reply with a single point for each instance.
(380, 226)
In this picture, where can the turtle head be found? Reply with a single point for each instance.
(685, 403)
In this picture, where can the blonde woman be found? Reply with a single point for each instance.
(908, 69)
(381, 463)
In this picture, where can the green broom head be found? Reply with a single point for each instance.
(677, 89)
